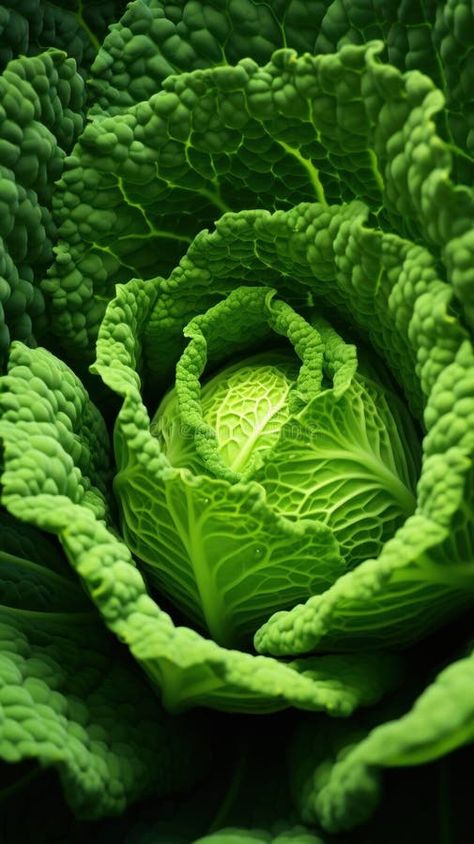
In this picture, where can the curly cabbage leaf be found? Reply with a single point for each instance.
(141, 184)
(55, 480)
(390, 288)
(340, 789)
(68, 698)
(40, 118)
(155, 39)
(29, 26)
(281, 521)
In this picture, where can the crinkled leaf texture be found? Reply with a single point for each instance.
(428, 566)
(252, 539)
(29, 26)
(341, 790)
(171, 38)
(68, 697)
(141, 184)
(55, 454)
(389, 289)
(41, 116)
(231, 551)
(426, 35)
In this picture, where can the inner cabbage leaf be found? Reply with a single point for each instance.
(278, 475)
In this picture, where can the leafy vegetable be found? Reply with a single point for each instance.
(68, 697)
(30, 26)
(337, 779)
(42, 98)
(236, 248)
(440, 721)
(331, 128)
(293, 479)
(56, 480)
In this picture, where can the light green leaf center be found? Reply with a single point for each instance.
(247, 407)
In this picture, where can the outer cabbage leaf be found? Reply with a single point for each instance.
(452, 38)
(155, 39)
(30, 26)
(331, 128)
(68, 698)
(342, 791)
(54, 479)
(40, 117)
(427, 568)
(424, 35)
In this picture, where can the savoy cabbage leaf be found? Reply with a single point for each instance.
(141, 184)
(68, 698)
(54, 479)
(40, 118)
(339, 782)
(27, 27)
(257, 220)
(413, 573)
(155, 39)
(270, 491)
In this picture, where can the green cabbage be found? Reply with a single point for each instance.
(308, 437)
(245, 244)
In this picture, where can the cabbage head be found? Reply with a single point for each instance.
(315, 459)
(237, 419)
